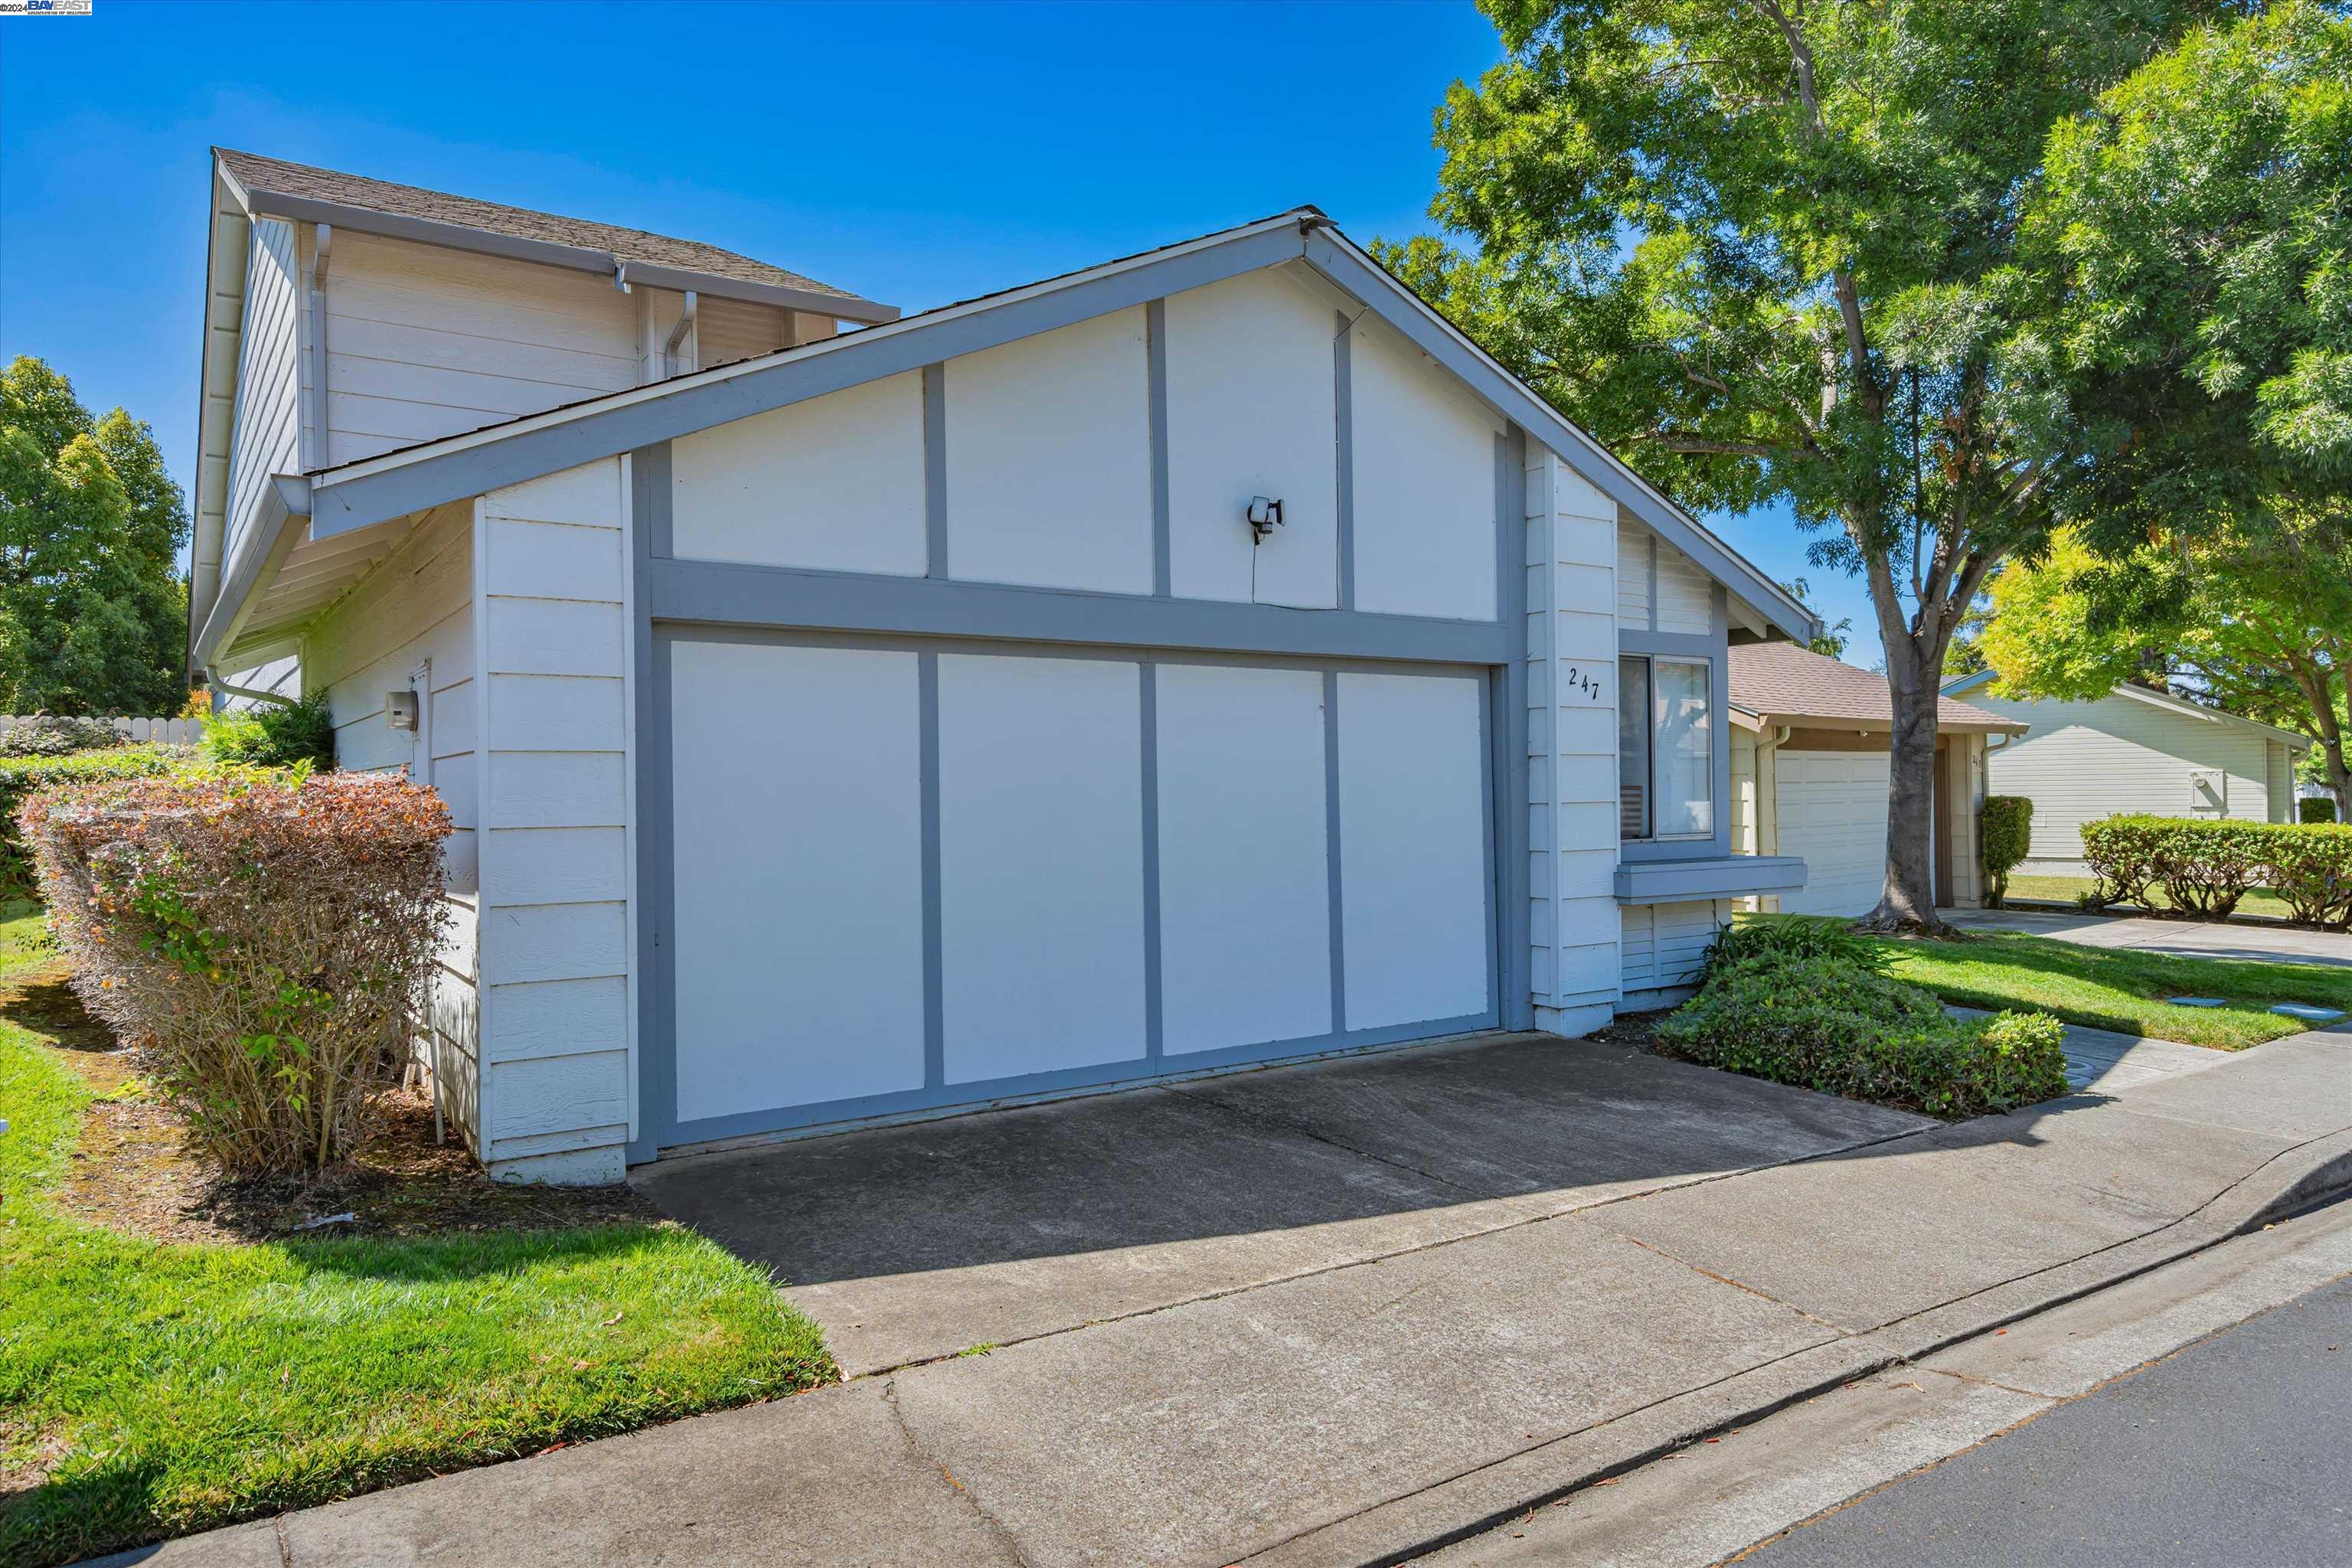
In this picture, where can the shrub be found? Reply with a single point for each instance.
(1805, 1003)
(2121, 853)
(20, 776)
(2311, 867)
(2006, 826)
(52, 735)
(2206, 865)
(2315, 808)
(272, 736)
(264, 941)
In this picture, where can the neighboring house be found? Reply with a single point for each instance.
(1207, 658)
(2133, 750)
(1811, 769)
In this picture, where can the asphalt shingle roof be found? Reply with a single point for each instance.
(256, 172)
(1788, 683)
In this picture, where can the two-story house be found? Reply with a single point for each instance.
(1208, 658)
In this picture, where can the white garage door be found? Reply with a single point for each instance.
(905, 877)
(1834, 813)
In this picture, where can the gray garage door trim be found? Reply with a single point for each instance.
(690, 600)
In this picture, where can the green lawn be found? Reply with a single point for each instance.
(2111, 989)
(151, 1389)
(2066, 889)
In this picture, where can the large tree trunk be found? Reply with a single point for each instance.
(2319, 690)
(1908, 900)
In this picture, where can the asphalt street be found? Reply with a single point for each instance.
(2236, 1452)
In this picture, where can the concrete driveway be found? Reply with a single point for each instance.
(2185, 939)
(913, 1243)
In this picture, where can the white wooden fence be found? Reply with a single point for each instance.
(173, 732)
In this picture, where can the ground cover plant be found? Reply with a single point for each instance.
(1806, 1001)
(176, 1356)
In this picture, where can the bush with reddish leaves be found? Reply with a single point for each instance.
(265, 940)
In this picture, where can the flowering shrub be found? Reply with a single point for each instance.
(265, 939)
(1805, 1001)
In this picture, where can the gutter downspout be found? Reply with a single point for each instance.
(678, 333)
(212, 679)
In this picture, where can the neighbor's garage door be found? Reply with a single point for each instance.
(1834, 813)
(924, 875)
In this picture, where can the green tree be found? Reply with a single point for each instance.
(1834, 640)
(1774, 249)
(2256, 624)
(93, 615)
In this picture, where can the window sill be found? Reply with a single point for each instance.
(1721, 876)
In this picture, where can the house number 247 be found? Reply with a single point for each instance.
(1576, 680)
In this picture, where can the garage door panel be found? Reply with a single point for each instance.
(795, 775)
(1244, 877)
(1040, 864)
(1413, 848)
(1833, 812)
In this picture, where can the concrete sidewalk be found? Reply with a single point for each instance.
(1367, 1410)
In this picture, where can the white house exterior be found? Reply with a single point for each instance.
(915, 718)
(2132, 751)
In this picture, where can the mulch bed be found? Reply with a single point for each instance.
(134, 1172)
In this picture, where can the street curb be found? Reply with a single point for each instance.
(1483, 1499)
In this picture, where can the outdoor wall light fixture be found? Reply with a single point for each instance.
(1264, 516)
(400, 708)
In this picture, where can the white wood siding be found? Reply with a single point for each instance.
(266, 436)
(1253, 411)
(1049, 459)
(2085, 760)
(558, 1019)
(1424, 482)
(1685, 594)
(832, 484)
(1665, 945)
(417, 606)
(1573, 594)
(1633, 574)
(423, 341)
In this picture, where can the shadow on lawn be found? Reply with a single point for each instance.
(2150, 975)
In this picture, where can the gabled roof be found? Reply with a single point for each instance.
(1786, 683)
(2164, 700)
(277, 188)
(390, 485)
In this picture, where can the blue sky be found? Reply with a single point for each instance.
(913, 154)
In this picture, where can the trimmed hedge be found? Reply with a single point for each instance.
(2205, 866)
(273, 735)
(264, 941)
(2315, 808)
(1805, 1001)
(20, 776)
(2006, 834)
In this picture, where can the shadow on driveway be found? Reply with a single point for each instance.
(914, 1242)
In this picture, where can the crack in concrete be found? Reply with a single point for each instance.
(284, 1544)
(1838, 1329)
(996, 1526)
